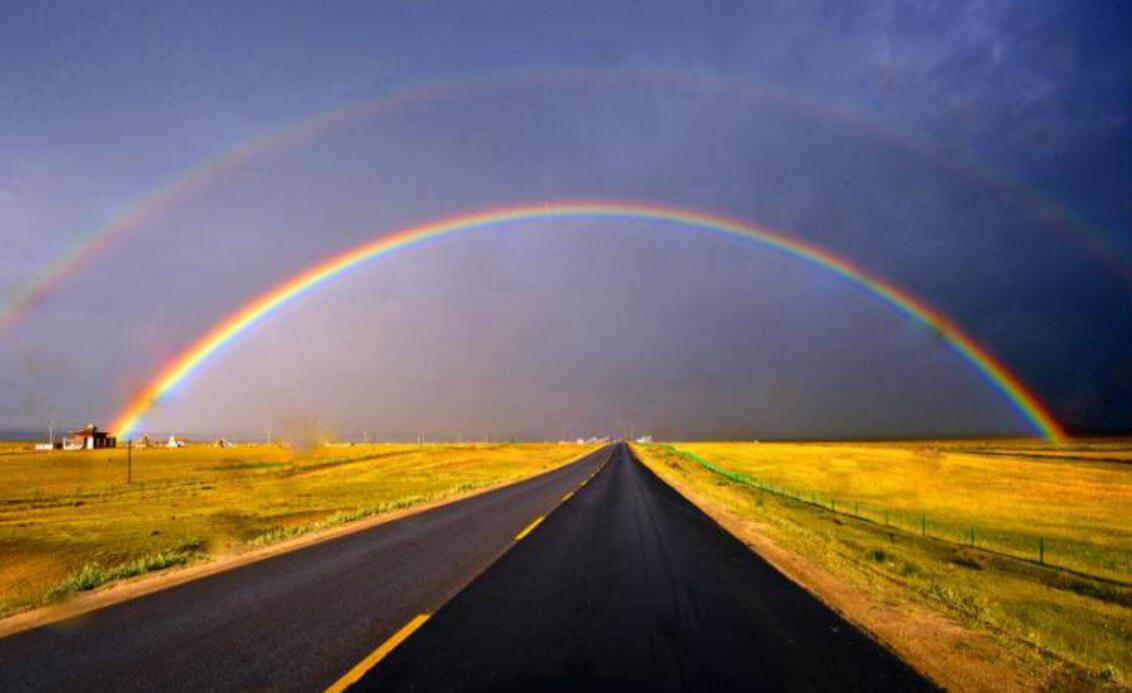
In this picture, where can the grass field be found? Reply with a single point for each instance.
(829, 502)
(1075, 503)
(69, 521)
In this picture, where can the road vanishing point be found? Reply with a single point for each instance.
(594, 576)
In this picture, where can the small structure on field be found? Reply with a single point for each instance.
(89, 437)
(222, 443)
(175, 442)
(144, 442)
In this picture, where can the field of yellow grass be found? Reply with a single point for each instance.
(857, 514)
(1075, 503)
(69, 521)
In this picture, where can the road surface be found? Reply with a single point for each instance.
(297, 621)
(628, 586)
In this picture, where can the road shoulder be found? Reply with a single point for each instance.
(943, 649)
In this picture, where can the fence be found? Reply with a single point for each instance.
(1083, 557)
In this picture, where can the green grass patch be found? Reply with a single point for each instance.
(93, 575)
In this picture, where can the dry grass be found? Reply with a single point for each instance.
(70, 522)
(1051, 628)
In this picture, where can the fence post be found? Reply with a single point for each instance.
(923, 525)
(1042, 550)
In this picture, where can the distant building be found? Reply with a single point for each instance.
(57, 445)
(89, 438)
(175, 442)
(644, 439)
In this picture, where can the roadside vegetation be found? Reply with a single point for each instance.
(883, 532)
(70, 521)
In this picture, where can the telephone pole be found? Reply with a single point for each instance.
(130, 461)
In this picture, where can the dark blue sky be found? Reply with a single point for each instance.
(570, 326)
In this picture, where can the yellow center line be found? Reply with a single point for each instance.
(530, 528)
(353, 675)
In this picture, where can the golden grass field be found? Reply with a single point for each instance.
(1013, 496)
(1061, 627)
(70, 522)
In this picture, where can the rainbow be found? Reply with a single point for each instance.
(177, 191)
(228, 330)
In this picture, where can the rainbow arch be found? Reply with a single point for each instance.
(229, 329)
(190, 182)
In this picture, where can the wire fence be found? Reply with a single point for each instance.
(1092, 559)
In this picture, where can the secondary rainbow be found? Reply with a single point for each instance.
(206, 173)
(192, 358)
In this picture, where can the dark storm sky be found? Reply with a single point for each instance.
(975, 153)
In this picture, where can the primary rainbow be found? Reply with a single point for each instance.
(235, 324)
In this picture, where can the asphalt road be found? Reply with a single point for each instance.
(297, 621)
(628, 586)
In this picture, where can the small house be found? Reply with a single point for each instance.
(89, 437)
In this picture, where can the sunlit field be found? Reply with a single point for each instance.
(1029, 543)
(1068, 506)
(70, 521)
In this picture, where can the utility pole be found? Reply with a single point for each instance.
(130, 461)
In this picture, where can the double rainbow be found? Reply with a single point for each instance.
(265, 305)
(206, 173)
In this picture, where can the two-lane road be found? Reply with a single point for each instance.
(628, 586)
(297, 621)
